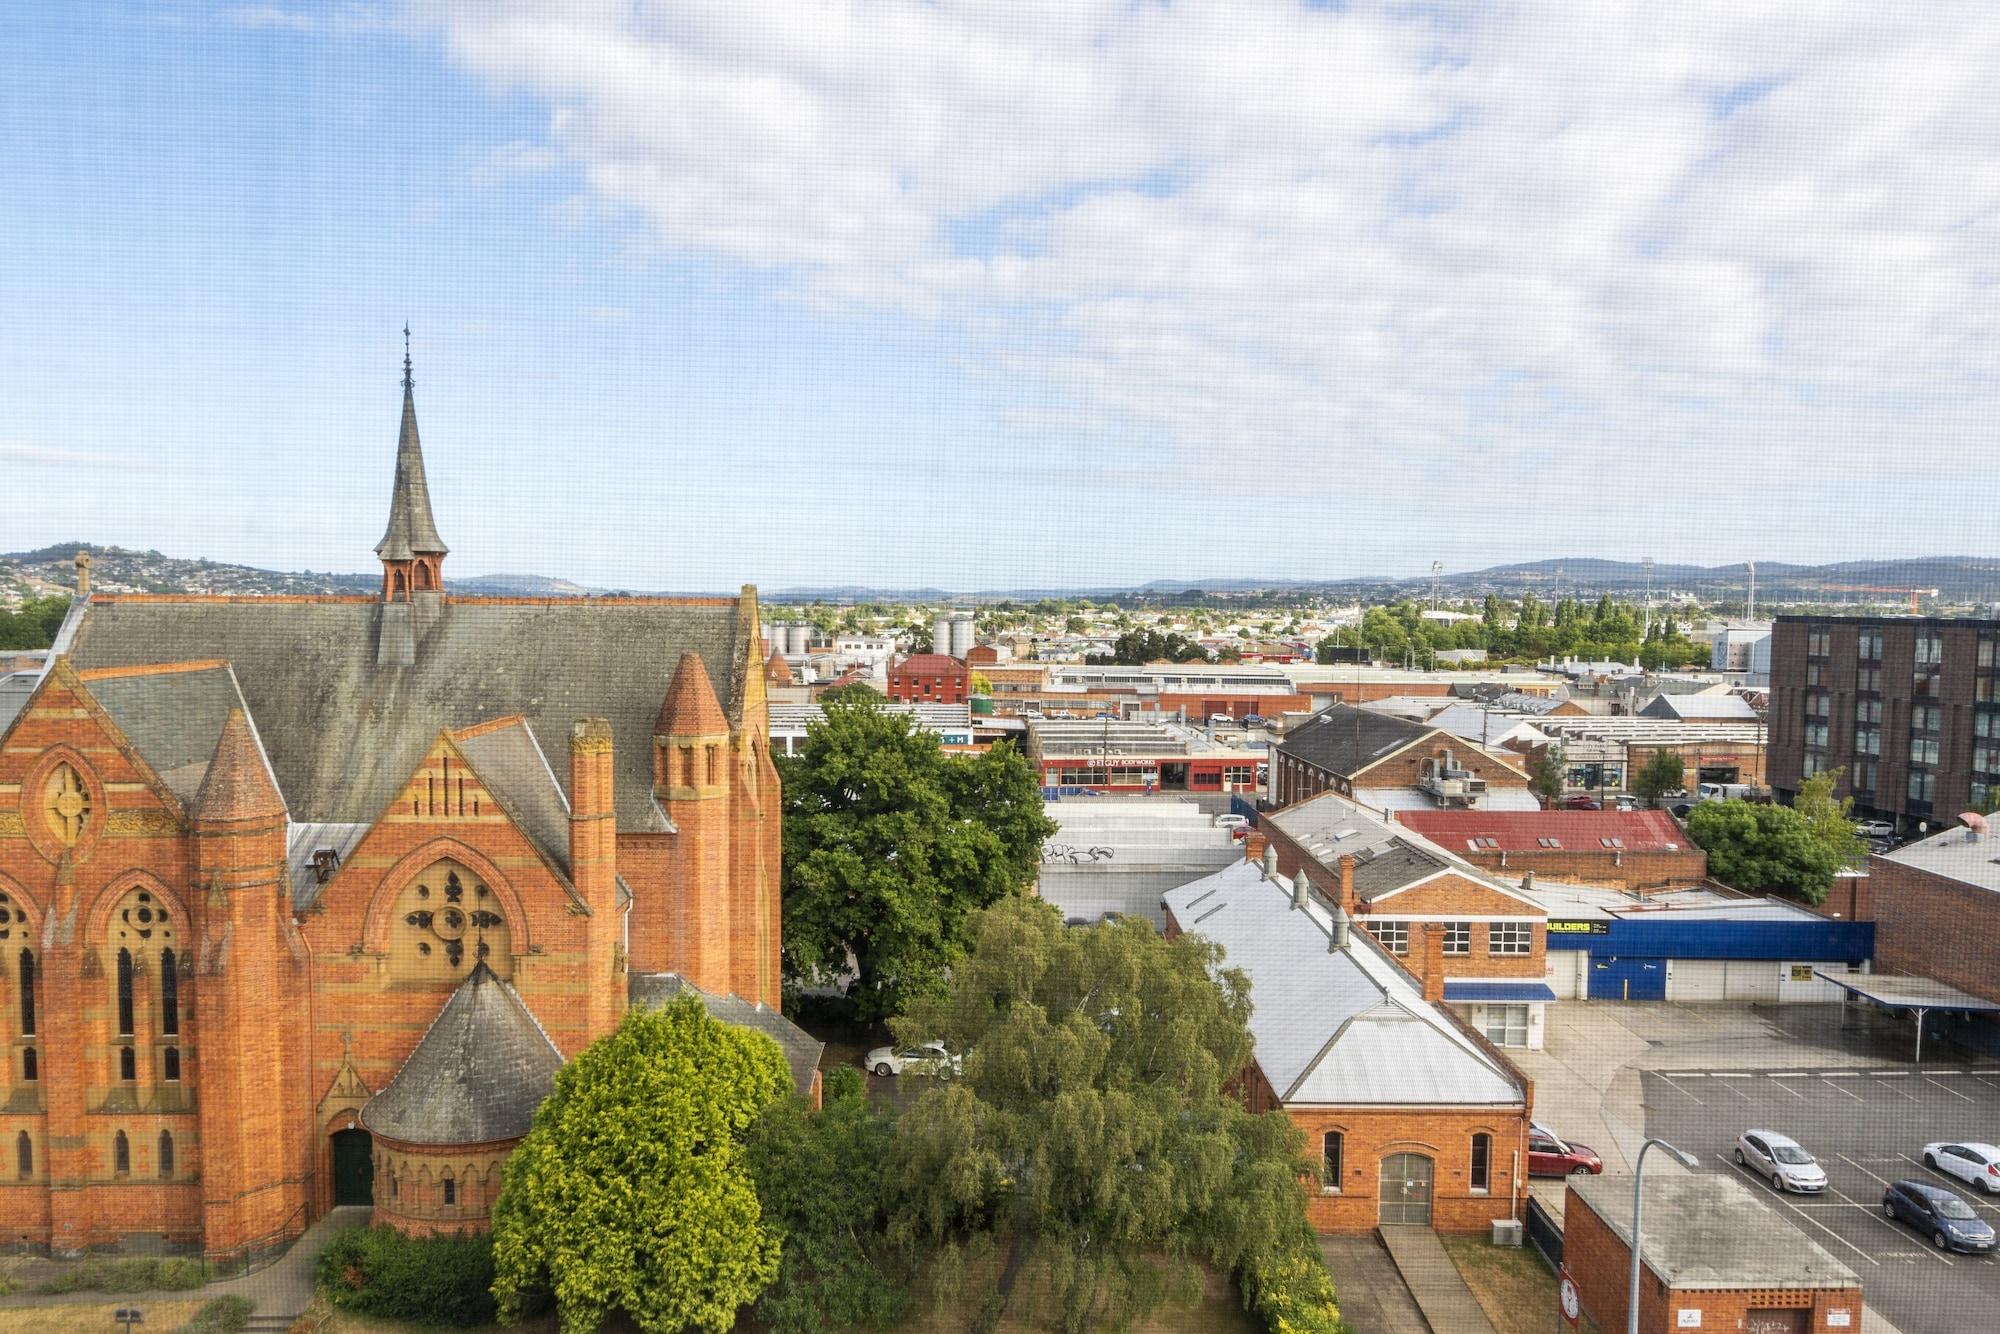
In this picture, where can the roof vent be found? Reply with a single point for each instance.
(1270, 863)
(1336, 939)
(325, 862)
(1301, 888)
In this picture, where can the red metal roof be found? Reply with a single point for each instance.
(1577, 831)
(930, 664)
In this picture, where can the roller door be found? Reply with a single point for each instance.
(1697, 979)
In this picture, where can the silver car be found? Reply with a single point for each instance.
(1780, 1160)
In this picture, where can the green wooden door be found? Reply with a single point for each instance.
(353, 1168)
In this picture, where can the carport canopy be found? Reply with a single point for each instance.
(1920, 995)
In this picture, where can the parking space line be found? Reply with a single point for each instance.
(1948, 1089)
(1899, 1092)
(1859, 1168)
(1844, 1093)
(1787, 1088)
(1806, 1217)
(1839, 1074)
(1668, 1081)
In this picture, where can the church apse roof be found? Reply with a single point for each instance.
(478, 1075)
(343, 734)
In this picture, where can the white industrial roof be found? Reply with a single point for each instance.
(1334, 1027)
(1959, 854)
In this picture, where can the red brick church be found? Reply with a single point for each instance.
(304, 900)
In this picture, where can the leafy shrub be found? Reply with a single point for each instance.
(1289, 1290)
(138, 1274)
(445, 1280)
(224, 1315)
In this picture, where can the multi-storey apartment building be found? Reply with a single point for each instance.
(1907, 707)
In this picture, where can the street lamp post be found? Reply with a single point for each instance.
(1638, 1202)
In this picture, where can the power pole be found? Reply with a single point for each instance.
(1649, 599)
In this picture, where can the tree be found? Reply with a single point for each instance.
(34, 623)
(980, 684)
(629, 1192)
(1766, 848)
(1093, 1109)
(1662, 773)
(889, 843)
(1136, 648)
(1545, 774)
(1828, 818)
(823, 1180)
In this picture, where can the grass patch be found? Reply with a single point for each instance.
(1511, 1284)
(68, 1319)
(138, 1274)
(223, 1315)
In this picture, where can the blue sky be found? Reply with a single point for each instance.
(985, 296)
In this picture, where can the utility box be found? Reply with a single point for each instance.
(1506, 1232)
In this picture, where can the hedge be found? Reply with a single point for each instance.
(444, 1280)
(1289, 1290)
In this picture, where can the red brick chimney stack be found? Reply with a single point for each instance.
(1434, 962)
(1253, 846)
(1347, 883)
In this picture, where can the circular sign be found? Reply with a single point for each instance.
(1571, 1305)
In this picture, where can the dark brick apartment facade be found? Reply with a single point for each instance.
(1908, 707)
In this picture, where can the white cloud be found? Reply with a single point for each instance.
(1511, 246)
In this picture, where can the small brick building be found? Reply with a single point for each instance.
(1414, 1117)
(1381, 760)
(929, 678)
(254, 849)
(1715, 1257)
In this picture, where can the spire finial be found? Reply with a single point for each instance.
(406, 354)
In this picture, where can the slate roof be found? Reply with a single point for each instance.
(302, 841)
(173, 717)
(15, 688)
(1346, 740)
(1341, 1028)
(477, 1076)
(802, 1050)
(343, 734)
(411, 529)
(510, 762)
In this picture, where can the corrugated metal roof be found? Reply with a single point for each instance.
(1576, 831)
(1344, 1027)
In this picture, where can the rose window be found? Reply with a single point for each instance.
(450, 922)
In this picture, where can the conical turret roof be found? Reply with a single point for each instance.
(691, 708)
(412, 532)
(238, 784)
(477, 1076)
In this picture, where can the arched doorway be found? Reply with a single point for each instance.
(353, 1167)
(1406, 1189)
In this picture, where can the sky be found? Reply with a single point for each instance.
(1016, 294)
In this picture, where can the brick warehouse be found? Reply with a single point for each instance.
(304, 899)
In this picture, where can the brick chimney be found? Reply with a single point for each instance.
(1433, 962)
(1253, 846)
(1347, 883)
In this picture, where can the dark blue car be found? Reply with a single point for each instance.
(1950, 1221)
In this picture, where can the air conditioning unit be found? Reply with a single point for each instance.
(1506, 1232)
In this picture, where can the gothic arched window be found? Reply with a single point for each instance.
(128, 1064)
(166, 1154)
(121, 1154)
(27, 994)
(124, 993)
(170, 1065)
(170, 994)
(24, 1155)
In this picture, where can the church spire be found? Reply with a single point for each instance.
(412, 552)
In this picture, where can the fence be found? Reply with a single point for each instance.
(1544, 1234)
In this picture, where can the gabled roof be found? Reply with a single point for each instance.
(343, 734)
(509, 761)
(477, 1076)
(172, 713)
(1705, 705)
(1575, 831)
(1343, 1028)
(931, 664)
(1346, 740)
(802, 1050)
(1388, 858)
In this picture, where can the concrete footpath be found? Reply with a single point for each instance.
(1373, 1297)
(1440, 1291)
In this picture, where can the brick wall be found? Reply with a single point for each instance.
(1930, 924)
(1639, 872)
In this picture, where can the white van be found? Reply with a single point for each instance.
(1722, 791)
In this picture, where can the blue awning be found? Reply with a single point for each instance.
(1515, 992)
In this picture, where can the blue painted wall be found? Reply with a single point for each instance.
(1653, 938)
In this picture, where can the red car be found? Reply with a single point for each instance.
(1549, 1155)
(1582, 804)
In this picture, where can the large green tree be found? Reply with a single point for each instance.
(889, 843)
(630, 1193)
(34, 623)
(1796, 850)
(1093, 1112)
(1545, 774)
(1663, 772)
(823, 1179)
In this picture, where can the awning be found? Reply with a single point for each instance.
(1919, 995)
(1515, 992)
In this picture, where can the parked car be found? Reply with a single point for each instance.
(1549, 1155)
(1581, 804)
(1875, 828)
(1781, 1160)
(1952, 1224)
(924, 1058)
(1232, 822)
(1625, 803)
(1253, 720)
(1970, 1161)
(1679, 810)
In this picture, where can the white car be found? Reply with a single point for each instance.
(1874, 829)
(1780, 1159)
(1231, 822)
(1970, 1161)
(924, 1058)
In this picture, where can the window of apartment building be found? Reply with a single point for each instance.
(1458, 937)
(1812, 674)
(1986, 757)
(1981, 792)
(1930, 650)
(1868, 679)
(1819, 641)
(1923, 750)
(1816, 734)
(1986, 722)
(1395, 936)
(1868, 645)
(1867, 741)
(1813, 764)
(1507, 1025)
(1926, 717)
(1861, 778)
(1330, 1146)
(1923, 786)
(1867, 710)
(1819, 704)
(1510, 938)
(1482, 1162)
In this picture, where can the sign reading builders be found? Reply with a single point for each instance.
(1567, 926)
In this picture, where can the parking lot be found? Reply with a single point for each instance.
(1867, 1127)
